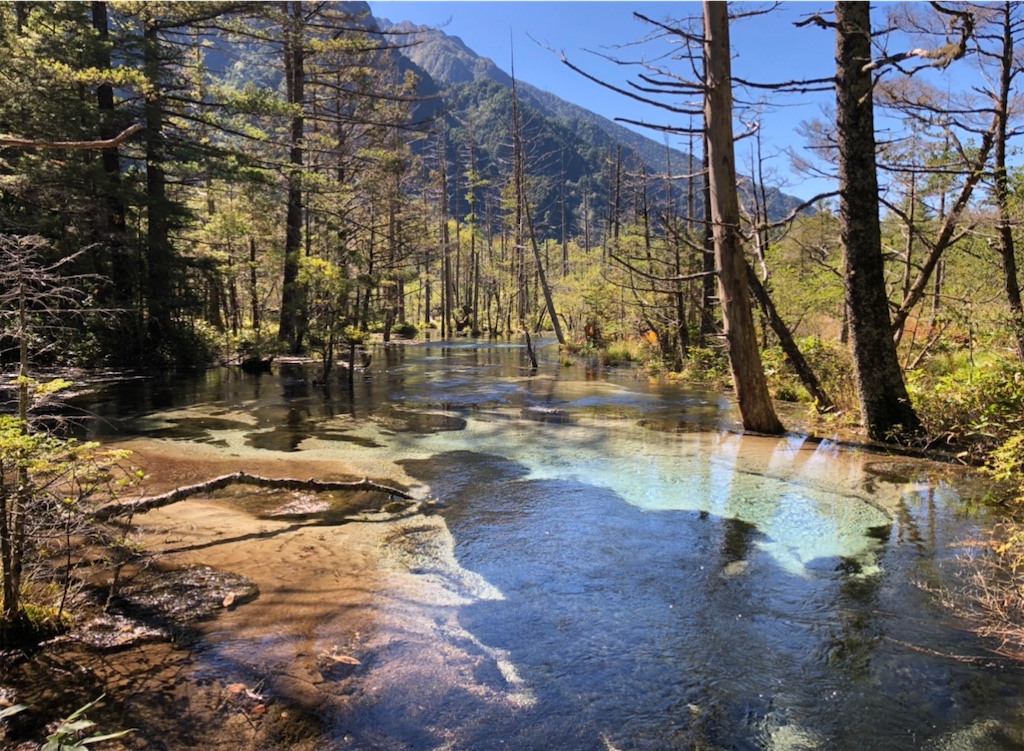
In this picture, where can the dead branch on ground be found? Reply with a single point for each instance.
(142, 505)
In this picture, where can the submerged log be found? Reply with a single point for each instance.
(142, 505)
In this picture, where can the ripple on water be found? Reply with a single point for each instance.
(644, 584)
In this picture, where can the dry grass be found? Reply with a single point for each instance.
(993, 596)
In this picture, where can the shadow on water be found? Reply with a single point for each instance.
(665, 584)
(662, 630)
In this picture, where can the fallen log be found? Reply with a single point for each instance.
(142, 505)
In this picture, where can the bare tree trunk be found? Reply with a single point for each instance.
(565, 227)
(1007, 251)
(707, 318)
(254, 299)
(159, 287)
(755, 404)
(586, 218)
(548, 300)
(144, 505)
(822, 402)
(446, 266)
(291, 292)
(115, 223)
(885, 404)
(427, 285)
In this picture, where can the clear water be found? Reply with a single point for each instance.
(662, 582)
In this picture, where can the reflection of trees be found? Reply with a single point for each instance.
(857, 636)
(908, 527)
(737, 538)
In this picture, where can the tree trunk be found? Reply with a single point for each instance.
(885, 405)
(679, 299)
(1007, 251)
(159, 287)
(804, 372)
(114, 224)
(292, 303)
(144, 505)
(755, 404)
(707, 318)
(520, 161)
(254, 300)
(446, 263)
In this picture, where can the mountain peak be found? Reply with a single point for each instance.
(447, 59)
(572, 146)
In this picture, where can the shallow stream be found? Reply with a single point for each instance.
(620, 567)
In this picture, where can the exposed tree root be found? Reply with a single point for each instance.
(142, 505)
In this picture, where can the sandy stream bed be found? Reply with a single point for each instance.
(353, 641)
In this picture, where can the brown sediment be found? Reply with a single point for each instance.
(352, 619)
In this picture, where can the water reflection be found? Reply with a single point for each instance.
(664, 581)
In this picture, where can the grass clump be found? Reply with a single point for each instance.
(624, 352)
(707, 365)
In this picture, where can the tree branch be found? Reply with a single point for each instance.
(142, 505)
(110, 143)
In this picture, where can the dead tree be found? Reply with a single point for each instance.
(756, 407)
(885, 405)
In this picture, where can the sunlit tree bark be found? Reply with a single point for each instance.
(756, 409)
(885, 405)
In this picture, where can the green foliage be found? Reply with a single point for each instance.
(41, 621)
(806, 282)
(47, 484)
(782, 380)
(586, 298)
(406, 330)
(580, 348)
(188, 344)
(706, 365)
(830, 361)
(977, 405)
(70, 733)
(253, 345)
(354, 336)
(1006, 463)
(623, 351)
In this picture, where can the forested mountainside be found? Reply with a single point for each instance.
(211, 180)
(570, 146)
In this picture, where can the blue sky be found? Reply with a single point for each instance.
(767, 48)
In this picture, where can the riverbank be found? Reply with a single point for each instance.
(347, 612)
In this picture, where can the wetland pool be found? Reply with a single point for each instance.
(614, 566)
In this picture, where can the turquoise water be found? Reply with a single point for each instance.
(658, 580)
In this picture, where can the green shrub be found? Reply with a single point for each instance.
(187, 345)
(783, 382)
(406, 330)
(706, 365)
(73, 732)
(831, 362)
(1006, 463)
(623, 351)
(353, 336)
(580, 348)
(980, 406)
